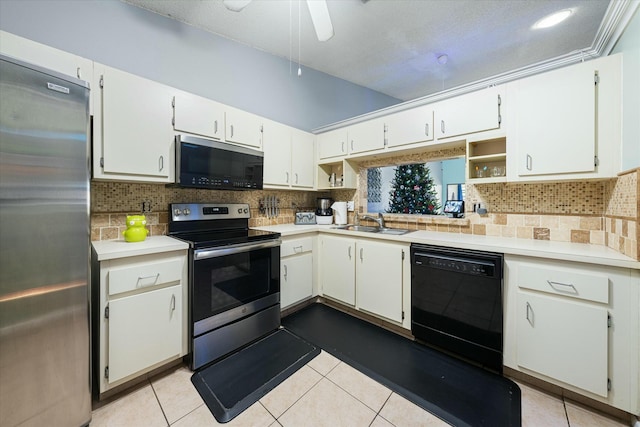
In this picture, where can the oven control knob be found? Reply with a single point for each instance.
(177, 212)
(186, 211)
(246, 210)
(239, 210)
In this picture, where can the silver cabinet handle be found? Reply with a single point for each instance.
(426, 129)
(297, 249)
(342, 149)
(529, 162)
(529, 318)
(215, 127)
(361, 257)
(287, 180)
(564, 287)
(352, 145)
(173, 303)
(442, 125)
(78, 73)
(231, 131)
(296, 174)
(349, 252)
(285, 271)
(155, 278)
(161, 163)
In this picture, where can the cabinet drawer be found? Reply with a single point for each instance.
(296, 246)
(129, 278)
(568, 282)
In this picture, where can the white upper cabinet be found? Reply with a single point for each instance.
(567, 121)
(302, 159)
(289, 156)
(277, 154)
(45, 56)
(196, 115)
(470, 113)
(366, 136)
(133, 134)
(333, 144)
(243, 128)
(410, 126)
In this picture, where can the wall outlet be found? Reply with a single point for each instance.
(350, 206)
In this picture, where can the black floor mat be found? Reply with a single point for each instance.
(455, 391)
(231, 385)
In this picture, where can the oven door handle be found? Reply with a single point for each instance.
(201, 254)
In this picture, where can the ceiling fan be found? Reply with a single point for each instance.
(317, 9)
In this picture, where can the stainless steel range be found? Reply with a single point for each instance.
(234, 278)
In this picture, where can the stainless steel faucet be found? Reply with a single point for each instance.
(379, 219)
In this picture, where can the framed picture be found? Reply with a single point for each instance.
(454, 208)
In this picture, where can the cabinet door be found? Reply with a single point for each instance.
(243, 128)
(470, 113)
(197, 115)
(136, 126)
(379, 279)
(409, 127)
(296, 282)
(144, 329)
(46, 56)
(332, 144)
(555, 121)
(338, 268)
(277, 154)
(563, 339)
(366, 136)
(302, 159)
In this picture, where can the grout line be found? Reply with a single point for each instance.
(566, 414)
(159, 403)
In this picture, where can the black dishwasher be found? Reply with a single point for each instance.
(456, 302)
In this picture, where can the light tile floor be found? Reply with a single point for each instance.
(325, 392)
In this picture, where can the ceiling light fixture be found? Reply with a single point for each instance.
(443, 59)
(553, 19)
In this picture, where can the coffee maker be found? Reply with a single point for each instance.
(324, 213)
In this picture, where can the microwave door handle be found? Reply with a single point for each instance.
(201, 254)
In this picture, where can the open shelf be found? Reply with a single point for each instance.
(487, 160)
(341, 168)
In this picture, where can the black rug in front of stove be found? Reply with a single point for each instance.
(234, 383)
(455, 391)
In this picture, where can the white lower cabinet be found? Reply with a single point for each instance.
(140, 305)
(296, 270)
(338, 268)
(144, 329)
(365, 273)
(575, 325)
(563, 339)
(379, 278)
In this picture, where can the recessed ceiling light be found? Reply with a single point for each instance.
(553, 19)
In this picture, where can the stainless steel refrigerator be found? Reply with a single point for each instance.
(44, 248)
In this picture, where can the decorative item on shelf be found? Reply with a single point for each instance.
(269, 206)
(498, 171)
(482, 171)
(136, 231)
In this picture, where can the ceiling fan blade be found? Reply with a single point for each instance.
(236, 5)
(321, 19)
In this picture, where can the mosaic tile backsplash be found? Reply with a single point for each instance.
(593, 212)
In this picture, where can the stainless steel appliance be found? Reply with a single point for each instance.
(234, 278)
(324, 213)
(456, 302)
(44, 247)
(203, 163)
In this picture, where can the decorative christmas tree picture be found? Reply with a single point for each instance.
(413, 191)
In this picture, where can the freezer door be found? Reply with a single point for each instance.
(44, 248)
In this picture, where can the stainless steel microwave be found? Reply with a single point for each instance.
(203, 163)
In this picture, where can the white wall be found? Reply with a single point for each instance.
(629, 44)
(152, 46)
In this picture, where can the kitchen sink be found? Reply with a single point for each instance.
(369, 229)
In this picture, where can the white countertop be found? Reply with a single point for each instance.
(580, 252)
(112, 249)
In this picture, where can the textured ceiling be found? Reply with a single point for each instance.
(392, 46)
